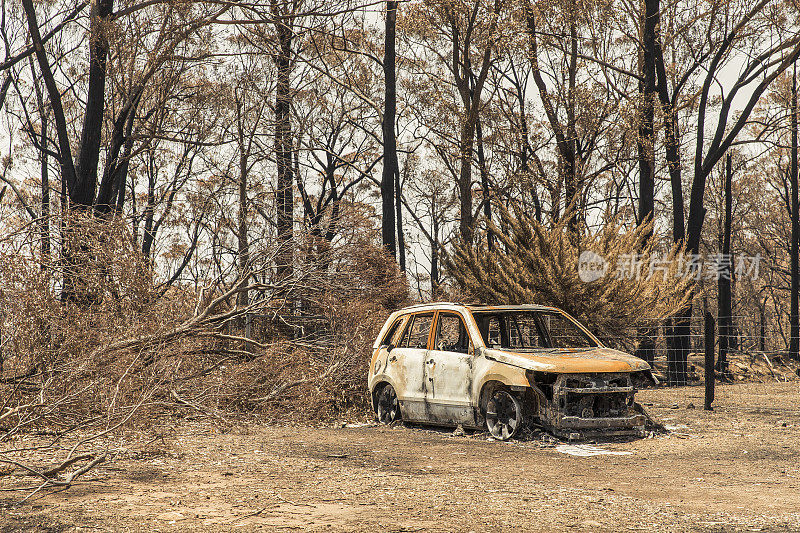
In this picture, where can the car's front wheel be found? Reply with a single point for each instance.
(504, 414)
(387, 406)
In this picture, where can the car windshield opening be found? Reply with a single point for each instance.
(530, 330)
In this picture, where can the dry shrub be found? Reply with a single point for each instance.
(57, 376)
(355, 311)
(120, 349)
(532, 263)
(117, 349)
(318, 371)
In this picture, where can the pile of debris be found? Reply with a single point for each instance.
(743, 366)
(762, 366)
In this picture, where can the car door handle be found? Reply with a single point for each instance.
(392, 359)
(430, 362)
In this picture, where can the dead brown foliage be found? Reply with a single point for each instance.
(121, 351)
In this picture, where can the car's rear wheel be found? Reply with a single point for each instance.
(387, 406)
(504, 414)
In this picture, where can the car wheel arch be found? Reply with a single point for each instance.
(514, 381)
(378, 387)
(491, 392)
(486, 390)
(526, 394)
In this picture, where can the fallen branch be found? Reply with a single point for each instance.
(66, 464)
(12, 411)
(194, 406)
(68, 481)
(769, 363)
(250, 515)
(48, 476)
(281, 388)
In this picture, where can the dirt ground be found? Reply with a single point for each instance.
(733, 469)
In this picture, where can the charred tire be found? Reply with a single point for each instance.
(387, 406)
(504, 414)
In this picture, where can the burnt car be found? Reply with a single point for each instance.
(501, 367)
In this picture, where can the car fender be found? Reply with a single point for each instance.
(486, 371)
(384, 378)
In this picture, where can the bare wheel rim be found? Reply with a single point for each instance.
(388, 406)
(503, 415)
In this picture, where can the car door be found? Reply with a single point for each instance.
(450, 370)
(406, 366)
(379, 363)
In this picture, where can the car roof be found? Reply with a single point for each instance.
(433, 306)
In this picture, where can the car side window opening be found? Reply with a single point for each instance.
(390, 335)
(530, 330)
(418, 331)
(492, 337)
(403, 340)
(451, 334)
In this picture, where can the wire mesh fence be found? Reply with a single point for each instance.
(750, 357)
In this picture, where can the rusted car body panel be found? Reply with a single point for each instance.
(570, 361)
(585, 391)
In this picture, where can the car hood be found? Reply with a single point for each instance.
(569, 361)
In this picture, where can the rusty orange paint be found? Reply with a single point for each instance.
(565, 364)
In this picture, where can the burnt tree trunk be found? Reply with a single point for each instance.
(679, 341)
(525, 152)
(80, 175)
(794, 312)
(709, 361)
(45, 210)
(284, 146)
(435, 283)
(243, 299)
(149, 235)
(724, 304)
(86, 166)
(572, 189)
(470, 88)
(466, 142)
(65, 151)
(644, 145)
(679, 346)
(401, 240)
(647, 88)
(390, 164)
(485, 188)
(671, 135)
(566, 138)
(110, 193)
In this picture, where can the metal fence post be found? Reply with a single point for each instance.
(709, 370)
